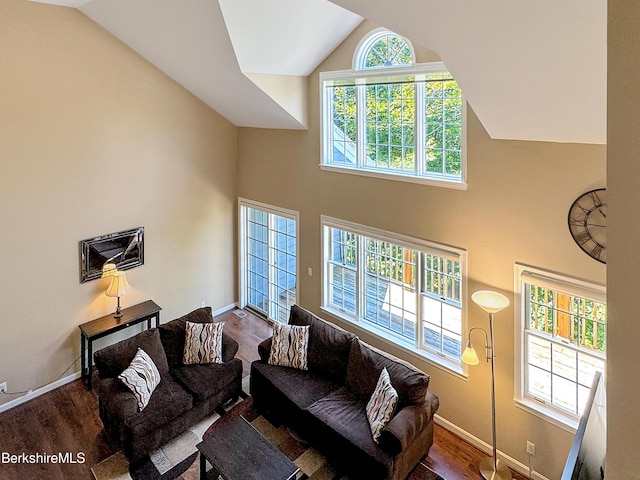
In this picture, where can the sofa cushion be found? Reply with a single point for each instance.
(173, 333)
(381, 405)
(289, 346)
(301, 387)
(168, 402)
(141, 377)
(363, 371)
(111, 361)
(203, 343)
(342, 425)
(203, 381)
(329, 345)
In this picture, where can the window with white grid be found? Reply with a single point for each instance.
(442, 304)
(268, 254)
(405, 290)
(392, 118)
(341, 270)
(390, 287)
(563, 341)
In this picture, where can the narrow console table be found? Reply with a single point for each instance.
(103, 326)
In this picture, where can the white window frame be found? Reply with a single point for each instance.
(417, 72)
(415, 348)
(243, 280)
(566, 284)
(369, 40)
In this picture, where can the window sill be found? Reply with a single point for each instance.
(550, 415)
(399, 177)
(442, 363)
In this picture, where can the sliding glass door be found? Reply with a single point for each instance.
(268, 259)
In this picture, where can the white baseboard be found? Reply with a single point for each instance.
(36, 393)
(486, 448)
(222, 310)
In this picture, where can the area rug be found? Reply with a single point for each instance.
(177, 459)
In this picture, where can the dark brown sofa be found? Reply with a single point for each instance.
(185, 395)
(326, 404)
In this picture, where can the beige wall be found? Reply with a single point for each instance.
(623, 264)
(514, 210)
(93, 140)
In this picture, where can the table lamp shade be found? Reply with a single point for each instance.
(118, 286)
(108, 269)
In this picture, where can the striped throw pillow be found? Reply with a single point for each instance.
(289, 346)
(381, 405)
(203, 343)
(141, 377)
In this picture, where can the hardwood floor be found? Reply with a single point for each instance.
(66, 420)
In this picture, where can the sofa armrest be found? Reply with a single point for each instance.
(407, 425)
(229, 348)
(264, 349)
(118, 401)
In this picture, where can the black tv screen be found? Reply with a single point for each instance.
(587, 457)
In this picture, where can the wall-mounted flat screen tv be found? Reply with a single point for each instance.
(587, 457)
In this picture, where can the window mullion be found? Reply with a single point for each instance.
(418, 296)
(420, 128)
(361, 281)
(272, 265)
(361, 122)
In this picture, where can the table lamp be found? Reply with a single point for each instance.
(118, 287)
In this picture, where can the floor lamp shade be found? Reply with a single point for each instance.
(489, 301)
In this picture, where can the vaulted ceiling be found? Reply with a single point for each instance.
(531, 69)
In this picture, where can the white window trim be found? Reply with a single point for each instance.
(242, 244)
(359, 57)
(361, 77)
(588, 289)
(458, 369)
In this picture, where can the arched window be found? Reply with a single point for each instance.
(391, 117)
(382, 48)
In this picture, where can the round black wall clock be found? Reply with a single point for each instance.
(588, 223)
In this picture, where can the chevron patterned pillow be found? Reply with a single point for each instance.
(203, 343)
(141, 377)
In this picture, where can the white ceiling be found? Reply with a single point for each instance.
(531, 69)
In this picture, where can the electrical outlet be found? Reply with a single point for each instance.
(3, 387)
(531, 448)
(203, 304)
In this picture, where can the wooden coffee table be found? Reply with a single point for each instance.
(236, 450)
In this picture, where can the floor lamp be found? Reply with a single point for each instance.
(491, 302)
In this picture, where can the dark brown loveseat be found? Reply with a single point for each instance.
(326, 404)
(185, 395)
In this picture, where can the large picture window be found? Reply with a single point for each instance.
(406, 290)
(268, 259)
(390, 117)
(563, 341)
